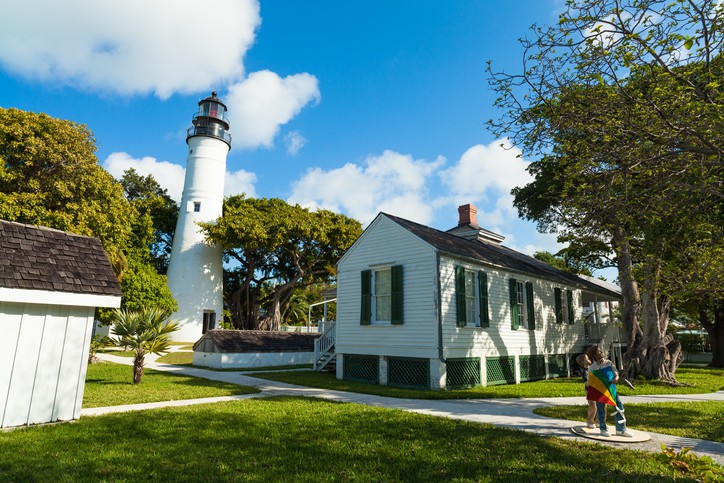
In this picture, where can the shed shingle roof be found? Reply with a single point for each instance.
(230, 341)
(40, 258)
(497, 255)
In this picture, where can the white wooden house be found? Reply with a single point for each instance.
(50, 285)
(419, 307)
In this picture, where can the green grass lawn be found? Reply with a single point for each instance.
(298, 439)
(109, 384)
(701, 420)
(701, 380)
(117, 352)
(177, 358)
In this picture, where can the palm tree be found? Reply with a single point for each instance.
(145, 331)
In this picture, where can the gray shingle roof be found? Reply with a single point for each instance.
(497, 255)
(40, 258)
(229, 341)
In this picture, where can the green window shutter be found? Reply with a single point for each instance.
(571, 309)
(366, 308)
(483, 299)
(396, 299)
(514, 304)
(460, 295)
(530, 306)
(559, 306)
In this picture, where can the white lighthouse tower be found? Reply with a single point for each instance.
(195, 272)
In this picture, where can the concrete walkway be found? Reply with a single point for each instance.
(510, 413)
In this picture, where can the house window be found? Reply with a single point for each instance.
(381, 297)
(471, 295)
(197, 206)
(569, 307)
(522, 322)
(565, 311)
(470, 299)
(522, 307)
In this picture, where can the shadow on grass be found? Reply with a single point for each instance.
(285, 439)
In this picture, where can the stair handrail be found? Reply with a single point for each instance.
(325, 342)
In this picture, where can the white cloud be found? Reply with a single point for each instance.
(294, 142)
(392, 182)
(484, 175)
(263, 102)
(483, 171)
(130, 47)
(240, 182)
(171, 176)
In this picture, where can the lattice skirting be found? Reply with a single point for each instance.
(408, 372)
(463, 373)
(557, 365)
(500, 370)
(361, 368)
(532, 368)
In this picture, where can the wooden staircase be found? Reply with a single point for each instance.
(325, 357)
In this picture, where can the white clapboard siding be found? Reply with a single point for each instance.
(385, 242)
(47, 349)
(500, 339)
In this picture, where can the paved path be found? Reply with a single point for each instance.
(511, 413)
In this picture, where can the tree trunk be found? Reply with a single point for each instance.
(633, 359)
(630, 301)
(235, 308)
(655, 355)
(138, 360)
(716, 333)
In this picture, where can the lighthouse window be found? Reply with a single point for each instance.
(197, 206)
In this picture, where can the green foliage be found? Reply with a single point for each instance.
(50, 176)
(300, 439)
(144, 287)
(107, 384)
(562, 262)
(629, 139)
(687, 463)
(279, 247)
(97, 343)
(146, 331)
(155, 224)
(691, 342)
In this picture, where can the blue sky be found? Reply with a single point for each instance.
(358, 107)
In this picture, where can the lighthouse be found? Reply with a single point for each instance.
(195, 272)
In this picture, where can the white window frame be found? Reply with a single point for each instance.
(564, 305)
(374, 295)
(471, 297)
(522, 305)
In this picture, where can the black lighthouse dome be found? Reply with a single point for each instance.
(210, 120)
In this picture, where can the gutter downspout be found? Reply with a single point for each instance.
(439, 312)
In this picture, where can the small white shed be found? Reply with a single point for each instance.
(50, 285)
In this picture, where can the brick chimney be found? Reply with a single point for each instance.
(469, 229)
(467, 215)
